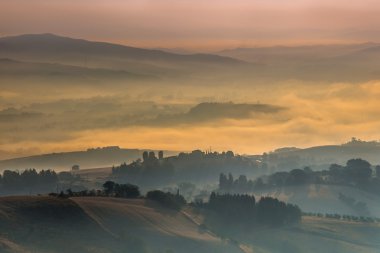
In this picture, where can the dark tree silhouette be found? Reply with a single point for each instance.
(121, 190)
(109, 187)
(174, 201)
(242, 210)
(161, 155)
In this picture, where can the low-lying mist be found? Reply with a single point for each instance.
(162, 117)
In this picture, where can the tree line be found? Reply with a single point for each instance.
(356, 173)
(343, 217)
(196, 166)
(31, 181)
(242, 210)
(128, 191)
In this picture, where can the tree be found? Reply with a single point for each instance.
(11, 179)
(145, 156)
(359, 170)
(297, 177)
(174, 201)
(377, 171)
(109, 187)
(223, 182)
(126, 190)
(230, 181)
(229, 154)
(152, 156)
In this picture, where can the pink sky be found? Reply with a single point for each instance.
(207, 24)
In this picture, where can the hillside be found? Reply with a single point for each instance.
(43, 224)
(54, 71)
(50, 48)
(316, 235)
(91, 158)
(320, 157)
(294, 54)
(96, 224)
(350, 63)
(325, 199)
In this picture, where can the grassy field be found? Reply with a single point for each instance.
(110, 225)
(316, 235)
(325, 199)
(99, 225)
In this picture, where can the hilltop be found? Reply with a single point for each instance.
(91, 158)
(320, 157)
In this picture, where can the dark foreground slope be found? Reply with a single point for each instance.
(43, 224)
(108, 225)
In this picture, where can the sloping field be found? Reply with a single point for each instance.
(7, 246)
(110, 225)
(325, 199)
(316, 235)
(44, 224)
(160, 227)
(99, 225)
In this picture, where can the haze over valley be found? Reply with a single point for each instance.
(173, 126)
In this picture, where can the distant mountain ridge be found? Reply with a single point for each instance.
(297, 53)
(51, 47)
(349, 63)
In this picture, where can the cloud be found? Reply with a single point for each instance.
(210, 112)
(294, 114)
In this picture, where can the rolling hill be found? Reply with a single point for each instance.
(50, 48)
(44, 224)
(12, 69)
(294, 54)
(325, 199)
(321, 157)
(91, 158)
(96, 224)
(349, 63)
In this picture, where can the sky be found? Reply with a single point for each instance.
(197, 25)
(38, 117)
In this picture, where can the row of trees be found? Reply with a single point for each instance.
(228, 209)
(121, 190)
(344, 217)
(358, 206)
(151, 171)
(191, 167)
(31, 181)
(110, 189)
(356, 172)
(129, 191)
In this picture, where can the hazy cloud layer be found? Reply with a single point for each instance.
(304, 115)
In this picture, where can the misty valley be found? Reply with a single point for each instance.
(178, 126)
(207, 200)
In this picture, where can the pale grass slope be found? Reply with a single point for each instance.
(99, 224)
(317, 235)
(160, 227)
(325, 198)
